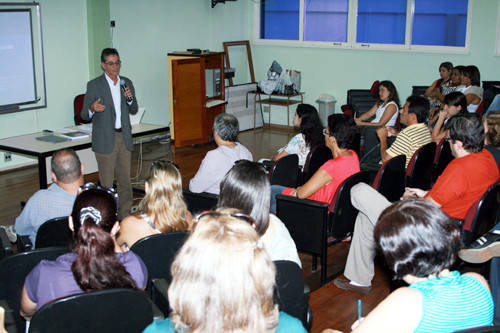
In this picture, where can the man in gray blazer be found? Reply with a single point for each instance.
(109, 100)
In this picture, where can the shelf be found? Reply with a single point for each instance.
(278, 101)
(215, 102)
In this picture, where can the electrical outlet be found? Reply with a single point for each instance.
(113, 24)
(7, 157)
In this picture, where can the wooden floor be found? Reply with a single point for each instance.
(332, 307)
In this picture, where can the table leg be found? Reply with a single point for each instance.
(254, 110)
(42, 172)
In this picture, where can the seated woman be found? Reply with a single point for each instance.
(419, 244)
(385, 109)
(455, 83)
(218, 161)
(161, 210)
(246, 188)
(454, 103)
(445, 70)
(96, 262)
(223, 281)
(307, 120)
(323, 184)
(471, 79)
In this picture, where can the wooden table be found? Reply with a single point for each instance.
(275, 99)
(29, 145)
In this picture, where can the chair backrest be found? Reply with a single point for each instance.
(198, 202)
(390, 178)
(289, 292)
(481, 329)
(110, 310)
(285, 171)
(356, 143)
(158, 252)
(418, 90)
(342, 213)
(77, 107)
(480, 108)
(13, 271)
(419, 170)
(54, 232)
(315, 159)
(442, 159)
(482, 215)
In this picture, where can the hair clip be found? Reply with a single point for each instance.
(90, 212)
(258, 244)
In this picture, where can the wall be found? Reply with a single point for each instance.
(64, 31)
(334, 71)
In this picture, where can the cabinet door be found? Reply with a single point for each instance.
(188, 77)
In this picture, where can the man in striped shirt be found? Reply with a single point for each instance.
(415, 135)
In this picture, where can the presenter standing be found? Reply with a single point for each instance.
(109, 100)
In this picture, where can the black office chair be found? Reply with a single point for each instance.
(315, 225)
(481, 329)
(390, 179)
(110, 310)
(291, 293)
(54, 232)
(315, 159)
(13, 271)
(158, 252)
(285, 171)
(442, 159)
(198, 202)
(421, 167)
(6, 246)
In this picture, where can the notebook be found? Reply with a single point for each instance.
(136, 118)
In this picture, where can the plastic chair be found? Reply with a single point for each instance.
(110, 310)
(54, 232)
(315, 225)
(443, 158)
(421, 167)
(390, 178)
(158, 252)
(482, 215)
(13, 272)
(315, 159)
(198, 202)
(285, 171)
(481, 329)
(291, 293)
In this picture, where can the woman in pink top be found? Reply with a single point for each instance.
(323, 184)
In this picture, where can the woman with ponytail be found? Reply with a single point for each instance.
(96, 261)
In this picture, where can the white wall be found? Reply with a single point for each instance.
(334, 71)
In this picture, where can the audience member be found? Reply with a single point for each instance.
(57, 200)
(416, 134)
(96, 261)
(454, 103)
(307, 120)
(161, 210)
(445, 71)
(419, 244)
(246, 188)
(218, 161)
(454, 84)
(223, 281)
(472, 90)
(463, 181)
(323, 184)
(385, 111)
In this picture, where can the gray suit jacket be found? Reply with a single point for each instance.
(103, 123)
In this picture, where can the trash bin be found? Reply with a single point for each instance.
(326, 105)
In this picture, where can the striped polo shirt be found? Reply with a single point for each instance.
(409, 140)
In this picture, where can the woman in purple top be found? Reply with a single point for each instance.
(95, 263)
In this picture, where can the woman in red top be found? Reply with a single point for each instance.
(323, 184)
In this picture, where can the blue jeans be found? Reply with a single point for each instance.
(495, 105)
(275, 189)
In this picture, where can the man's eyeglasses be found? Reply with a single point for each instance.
(244, 217)
(110, 63)
(325, 133)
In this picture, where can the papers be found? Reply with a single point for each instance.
(74, 135)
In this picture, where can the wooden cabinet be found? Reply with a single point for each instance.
(192, 113)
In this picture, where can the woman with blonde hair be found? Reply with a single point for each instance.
(223, 281)
(161, 210)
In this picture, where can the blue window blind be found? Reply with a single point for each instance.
(381, 21)
(326, 20)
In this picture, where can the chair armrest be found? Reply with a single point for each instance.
(6, 249)
(24, 243)
(157, 313)
(159, 295)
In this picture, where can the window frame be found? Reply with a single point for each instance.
(351, 34)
